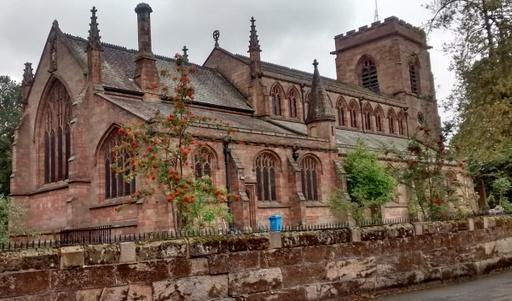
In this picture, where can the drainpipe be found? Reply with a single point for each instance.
(227, 156)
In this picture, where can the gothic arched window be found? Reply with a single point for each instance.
(379, 116)
(367, 115)
(401, 123)
(391, 121)
(353, 111)
(414, 75)
(277, 97)
(203, 162)
(266, 169)
(369, 78)
(293, 98)
(309, 174)
(341, 108)
(116, 183)
(57, 133)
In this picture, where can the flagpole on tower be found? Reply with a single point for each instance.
(376, 18)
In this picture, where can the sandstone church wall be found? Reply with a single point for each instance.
(306, 265)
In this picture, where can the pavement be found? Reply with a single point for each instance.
(496, 287)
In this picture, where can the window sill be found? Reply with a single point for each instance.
(269, 205)
(114, 202)
(53, 186)
(315, 204)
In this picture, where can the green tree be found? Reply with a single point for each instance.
(370, 185)
(481, 102)
(10, 113)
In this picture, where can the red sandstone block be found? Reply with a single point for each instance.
(233, 262)
(24, 283)
(78, 279)
(303, 274)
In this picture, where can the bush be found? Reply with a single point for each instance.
(8, 212)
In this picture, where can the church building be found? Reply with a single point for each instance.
(292, 129)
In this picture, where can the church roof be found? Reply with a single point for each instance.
(119, 69)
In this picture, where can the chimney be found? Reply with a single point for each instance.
(94, 50)
(28, 79)
(146, 73)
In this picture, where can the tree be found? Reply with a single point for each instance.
(370, 185)
(10, 113)
(482, 99)
(158, 151)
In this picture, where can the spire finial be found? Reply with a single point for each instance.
(185, 54)
(28, 74)
(315, 63)
(320, 108)
(55, 24)
(254, 43)
(376, 17)
(94, 32)
(216, 35)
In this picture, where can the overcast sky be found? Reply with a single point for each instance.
(291, 32)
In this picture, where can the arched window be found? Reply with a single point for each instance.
(341, 108)
(369, 78)
(367, 115)
(57, 135)
(391, 121)
(116, 183)
(401, 123)
(277, 97)
(203, 162)
(309, 173)
(293, 98)
(414, 75)
(379, 116)
(353, 110)
(266, 169)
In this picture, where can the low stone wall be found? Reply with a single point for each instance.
(311, 265)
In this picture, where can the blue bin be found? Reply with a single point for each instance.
(276, 223)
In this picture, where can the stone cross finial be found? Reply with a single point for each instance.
(185, 54)
(315, 63)
(94, 32)
(28, 75)
(216, 35)
(254, 43)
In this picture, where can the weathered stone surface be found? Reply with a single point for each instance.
(310, 238)
(101, 254)
(114, 293)
(233, 262)
(143, 272)
(24, 283)
(161, 249)
(193, 288)
(346, 270)
(254, 281)
(204, 246)
(85, 278)
(281, 257)
(128, 252)
(140, 293)
(71, 257)
(29, 259)
(88, 295)
(303, 274)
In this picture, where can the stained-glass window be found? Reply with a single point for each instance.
(309, 174)
(117, 183)
(266, 165)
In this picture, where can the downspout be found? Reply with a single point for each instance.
(227, 156)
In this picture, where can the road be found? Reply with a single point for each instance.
(491, 288)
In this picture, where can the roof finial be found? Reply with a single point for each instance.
(320, 108)
(216, 35)
(55, 24)
(94, 32)
(185, 54)
(28, 75)
(315, 63)
(376, 17)
(254, 43)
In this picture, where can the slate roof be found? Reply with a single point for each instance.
(119, 69)
(146, 110)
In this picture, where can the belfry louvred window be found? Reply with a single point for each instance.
(369, 78)
(116, 182)
(57, 134)
(414, 76)
(309, 175)
(266, 165)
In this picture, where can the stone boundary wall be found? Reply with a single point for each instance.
(310, 265)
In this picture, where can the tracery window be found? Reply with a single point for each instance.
(391, 121)
(353, 111)
(116, 184)
(293, 97)
(57, 133)
(367, 115)
(309, 174)
(369, 78)
(414, 76)
(266, 169)
(203, 161)
(401, 123)
(341, 107)
(277, 96)
(379, 116)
